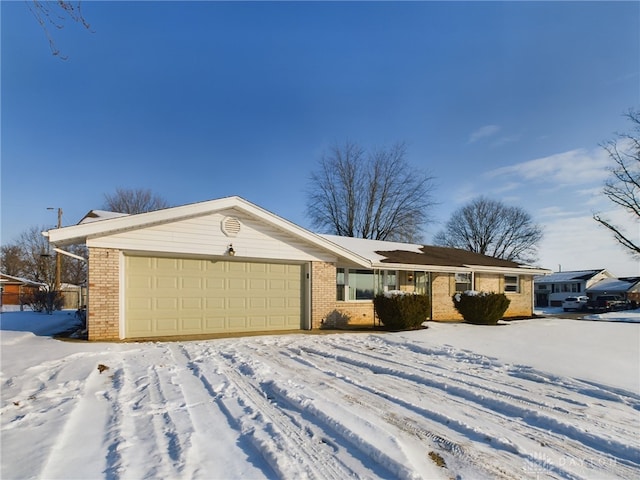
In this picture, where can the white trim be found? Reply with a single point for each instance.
(82, 232)
(69, 254)
(121, 293)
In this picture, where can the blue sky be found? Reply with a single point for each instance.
(200, 100)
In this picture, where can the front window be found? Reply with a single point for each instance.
(511, 284)
(387, 281)
(359, 284)
(463, 282)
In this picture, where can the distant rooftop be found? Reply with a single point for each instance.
(96, 215)
(558, 277)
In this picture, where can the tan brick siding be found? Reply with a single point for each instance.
(323, 291)
(443, 287)
(104, 294)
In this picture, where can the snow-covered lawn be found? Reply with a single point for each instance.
(543, 398)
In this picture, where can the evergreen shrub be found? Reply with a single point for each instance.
(481, 308)
(401, 310)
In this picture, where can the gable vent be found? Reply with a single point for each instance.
(230, 226)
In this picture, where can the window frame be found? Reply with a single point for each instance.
(515, 284)
(468, 282)
(382, 281)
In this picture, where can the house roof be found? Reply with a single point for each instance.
(385, 254)
(99, 223)
(616, 285)
(363, 252)
(559, 277)
(96, 215)
(4, 278)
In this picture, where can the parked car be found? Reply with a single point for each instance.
(608, 303)
(575, 303)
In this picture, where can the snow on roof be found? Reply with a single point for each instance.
(367, 248)
(10, 278)
(380, 252)
(615, 284)
(96, 215)
(558, 277)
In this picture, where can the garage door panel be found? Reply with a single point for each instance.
(237, 284)
(214, 324)
(191, 303)
(166, 303)
(167, 325)
(191, 296)
(191, 324)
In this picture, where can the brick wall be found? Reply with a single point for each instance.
(443, 288)
(323, 291)
(104, 294)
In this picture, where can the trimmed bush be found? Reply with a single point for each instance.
(401, 311)
(481, 308)
(336, 320)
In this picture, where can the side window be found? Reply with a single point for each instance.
(463, 282)
(340, 284)
(511, 284)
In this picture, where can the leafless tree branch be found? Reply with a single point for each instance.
(622, 187)
(375, 195)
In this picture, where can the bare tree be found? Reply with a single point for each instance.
(375, 195)
(53, 15)
(39, 260)
(11, 260)
(74, 271)
(623, 185)
(492, 228)
(132, 201)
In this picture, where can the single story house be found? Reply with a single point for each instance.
(228, 265)
(16, 290)
(626, 287)
(551, 290)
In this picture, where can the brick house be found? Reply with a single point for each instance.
(16, 291)
(227, 265)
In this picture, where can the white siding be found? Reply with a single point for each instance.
(203, 236)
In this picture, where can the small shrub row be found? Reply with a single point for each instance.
(401, 311)
(45, 301)
(481, 308)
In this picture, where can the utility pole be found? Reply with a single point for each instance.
(58, 256)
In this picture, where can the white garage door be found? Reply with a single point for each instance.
(177, 296)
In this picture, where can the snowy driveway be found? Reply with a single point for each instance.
(408, 405)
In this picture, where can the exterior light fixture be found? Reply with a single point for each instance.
(230, 251)
(410, 277)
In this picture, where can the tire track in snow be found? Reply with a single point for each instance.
(554, 388)
(287, 446)
(75, 441)
(553, 430)
(367, 406)
(208, 421)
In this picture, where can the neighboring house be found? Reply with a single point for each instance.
(15, 290)
(551, 290)
(228, 265)
(627, 287)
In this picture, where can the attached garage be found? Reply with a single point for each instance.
(229, 266)
(166, 296)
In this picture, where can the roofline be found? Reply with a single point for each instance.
(461, 268)
(80, 233)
